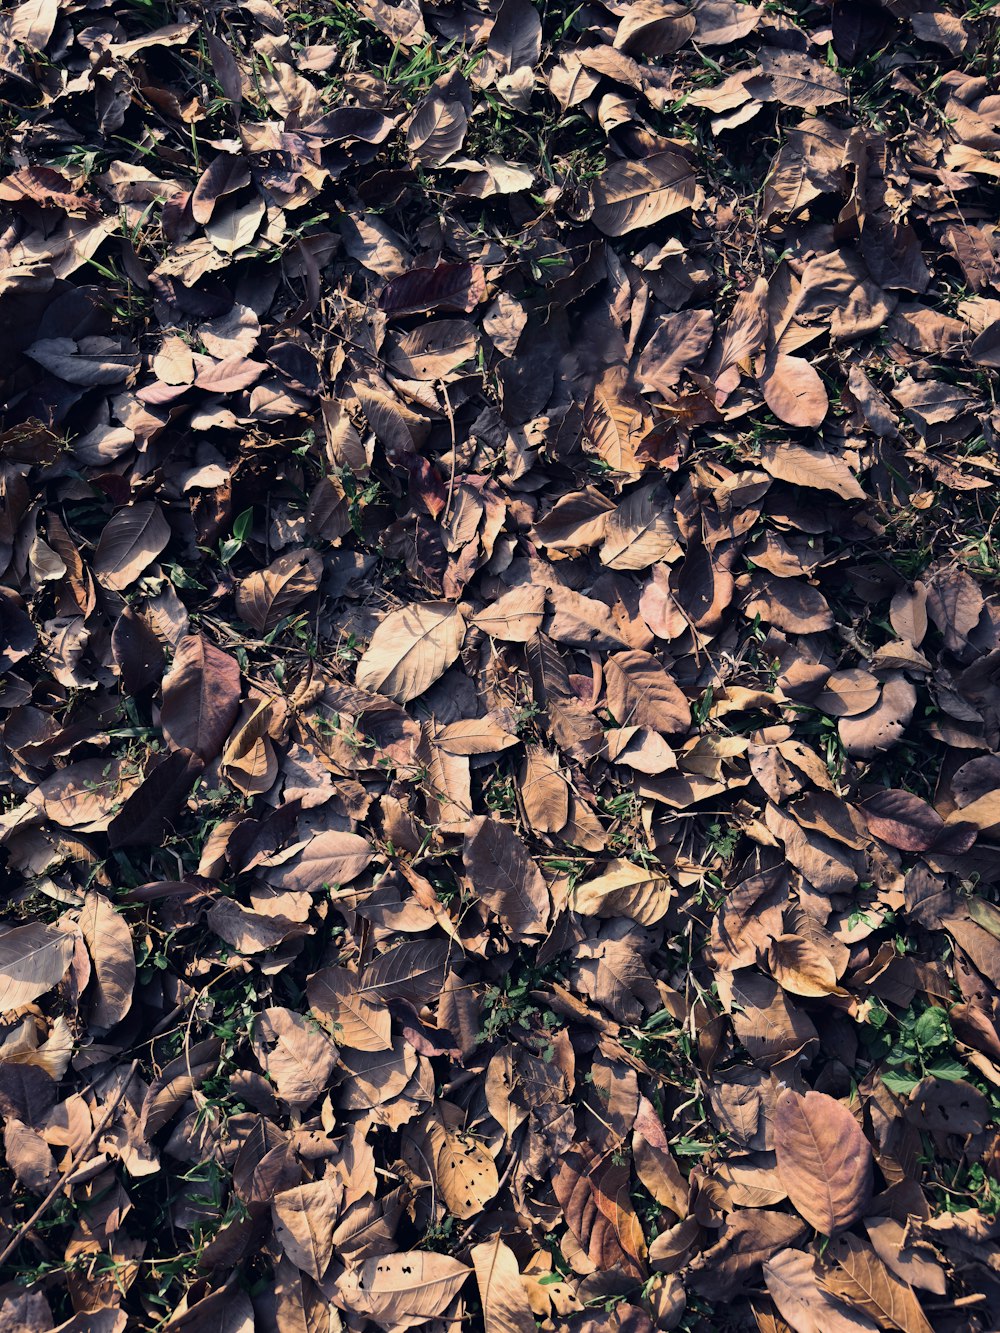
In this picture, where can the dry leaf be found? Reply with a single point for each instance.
(823, 1158)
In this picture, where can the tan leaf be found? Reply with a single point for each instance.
(862, 1280)
(304, 1220)
(504, 877)
(411, 648)
(881, 726)
(129, 543)
(28, 1156)
(231, 231)
(794, 1287)
(637, 194)
(801, 968)
(432, 351)
(109, 942)
(544, 791)
(265, 597)
(33, 959)
(795, 393)
(823, 471)
(624, 889)
(798, 80)
(791, 604)
(295, 1054)
(402, 1289)
(464, 1170)
(640, 693)
(356, 1020)
(617, 420)
(641, 531)
(329, 859)
(469, 736)
(506, 1308)
(249, 761)
(515, 616)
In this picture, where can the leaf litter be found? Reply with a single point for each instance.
(498, 669)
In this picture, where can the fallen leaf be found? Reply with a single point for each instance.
(823, 1160)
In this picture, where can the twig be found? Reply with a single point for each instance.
(454, 453)
(99, 1129)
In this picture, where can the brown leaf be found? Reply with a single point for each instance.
(355, 1019)
(464, 1170)
(304, 1221)
(637, 194)
(267, 596)
(201, 697)
(795, 393)
(861, 1279)
(640, 693)
(794, 1287)
(624, 889)
(506, 1308)
(503, 876)
(823, 1158)
(130, 542)
(328, 860)
(411, 648)
(880, 727)
(432, 351)
(400, 1289)
(249, 761)
(593, 1195)
(295, 1055)
(544, 791)
(33, 959)
(446, 286)
(109, 942)
(798, 80)
(902, 820)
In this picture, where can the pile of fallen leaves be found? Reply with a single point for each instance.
(500, 696)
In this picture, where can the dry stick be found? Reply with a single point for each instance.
(454, 452)
(99, 1129)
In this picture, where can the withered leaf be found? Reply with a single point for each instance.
(859, 1277)
(799, 80)
(130, 542)
(640, 693)
(267, 596)
(505, 878)
(109, 942)
(902, 820)
(624, 889)
(411, 648)
(794, 392)
(329, 859)
(355, 1018)
(295, 1054)
(637, 194)
(506, 1307)
(33, 959)
(823, 1159)
(201, 697)
(304, 1221)
(410, 1287)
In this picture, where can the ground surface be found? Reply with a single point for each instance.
(500, 651)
